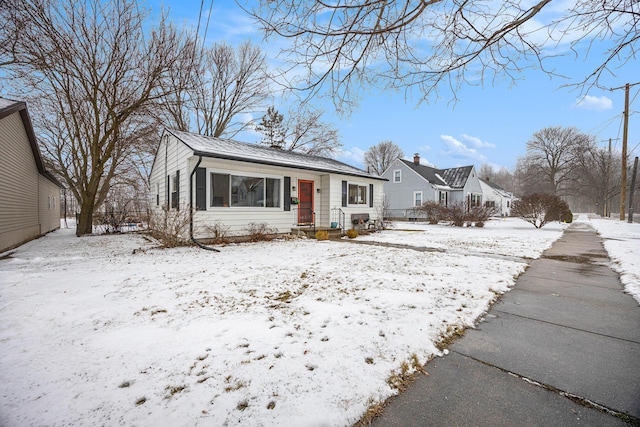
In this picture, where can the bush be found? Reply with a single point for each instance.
(170, 226)
(260, 232)
(322, 235)
(541, 208)
(351, 233)
(433, 211)
(219, 233)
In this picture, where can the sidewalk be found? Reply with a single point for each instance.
(561, 348)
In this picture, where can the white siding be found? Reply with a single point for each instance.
(19, 176)
(173, 155)
(49, 210)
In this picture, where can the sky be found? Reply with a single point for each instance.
(487, 125)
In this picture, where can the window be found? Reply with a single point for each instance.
(246, 191)
(158, 194)
(443, 198)
(474, 200)
(508, 204)
(49, 202)
(397, 175)
(175, 187)
(219, 190)
(490, 204)
(357, 194)
(417, 198)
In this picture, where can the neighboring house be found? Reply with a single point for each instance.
(410, 184)
(30, 195)
(235, 184)
(496, 197)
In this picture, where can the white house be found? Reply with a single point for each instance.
(30, 195)
(410, 184)
(235, 184)
(496, 197)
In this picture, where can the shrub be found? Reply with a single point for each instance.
(219, 233)
(170, 226)
(351, 233)
(541, 208)
(480, 214)
(322, 235)
(433, 211)
(457, 214)
(260, 232)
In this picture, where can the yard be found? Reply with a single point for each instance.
(110, 330)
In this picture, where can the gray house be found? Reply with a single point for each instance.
(234, 184)
(30, 195)
(410, 184)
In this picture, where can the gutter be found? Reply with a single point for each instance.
(191, 209)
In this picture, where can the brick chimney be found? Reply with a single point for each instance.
(416, 158)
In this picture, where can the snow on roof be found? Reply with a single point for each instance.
(7, 104)
(452, 177)
(209, 146)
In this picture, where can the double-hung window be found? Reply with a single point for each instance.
(417, 198)
(357, 194)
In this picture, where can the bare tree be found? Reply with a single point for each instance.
(94, 72)
(552, 157)
(213, 87)
(502, 177)
(303, 131)
(306, 132)
(346, 46)
(379, 157)
(597, 177)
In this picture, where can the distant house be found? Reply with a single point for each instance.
(496, 197)
(410, 184)
(30, 195)
(235, 184)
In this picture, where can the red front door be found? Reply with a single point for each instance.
(305, 196)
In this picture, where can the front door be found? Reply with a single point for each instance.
(305, 196)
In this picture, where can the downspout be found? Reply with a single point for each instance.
(191, 209)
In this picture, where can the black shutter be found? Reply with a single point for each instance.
(287, 193)
(370, 195)
(201, 189)
(178, 189)
(344, 194)
(168, 191)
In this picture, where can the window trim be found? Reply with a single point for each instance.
(415, 193)
(399, 180)
(365, 202)
(231, 173)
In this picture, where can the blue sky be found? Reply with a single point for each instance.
(487, 125)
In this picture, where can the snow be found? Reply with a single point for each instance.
(111, 330)
(622, 242)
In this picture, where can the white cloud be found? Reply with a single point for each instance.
(456, 148)
(477, 142)
(594, 103)
(353, 155)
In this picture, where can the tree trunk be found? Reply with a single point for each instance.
(85, 220)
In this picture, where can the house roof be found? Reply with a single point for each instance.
(452, 177)
(208, 146)
(8, 107)
(495, 186)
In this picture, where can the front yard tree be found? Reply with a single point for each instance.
(379, 157)
(92, 70)
(423, 45)
(539, 209)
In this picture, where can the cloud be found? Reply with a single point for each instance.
(594, 103)
(352, 155)
(477, 142)
(458, 149)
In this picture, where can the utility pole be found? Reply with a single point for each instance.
(625, 132)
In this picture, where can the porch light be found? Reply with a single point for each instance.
(318, 190)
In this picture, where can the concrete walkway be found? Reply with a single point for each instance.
(560, 349)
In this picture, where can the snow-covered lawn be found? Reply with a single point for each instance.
(108, 330)
(622, 242)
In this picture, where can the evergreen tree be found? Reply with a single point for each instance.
(272, 129)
